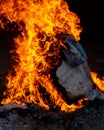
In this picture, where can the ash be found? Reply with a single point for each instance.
(90, 117)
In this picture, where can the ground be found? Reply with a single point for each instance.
(90, 117)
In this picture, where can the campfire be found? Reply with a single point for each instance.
(36, 54)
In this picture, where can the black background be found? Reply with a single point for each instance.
(91, 16)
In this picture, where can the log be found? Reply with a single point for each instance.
(77, 81)
(10, 106)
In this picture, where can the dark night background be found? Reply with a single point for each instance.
(92, 37)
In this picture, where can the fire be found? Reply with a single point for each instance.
(99, 82)
(41, 23)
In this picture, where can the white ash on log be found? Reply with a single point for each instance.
(74, 73)
(75, 82)
(10, 106)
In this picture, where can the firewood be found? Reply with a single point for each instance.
(11, 105)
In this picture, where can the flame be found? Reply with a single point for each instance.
(41, 24)
(99, 82)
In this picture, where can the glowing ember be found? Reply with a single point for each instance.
(99, 82)
(38, 48)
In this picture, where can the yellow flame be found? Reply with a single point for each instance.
(38, 49)
(99, 82)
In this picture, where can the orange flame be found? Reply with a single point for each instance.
(99, 82)
(38, 48)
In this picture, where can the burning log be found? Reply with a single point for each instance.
(74, 73)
